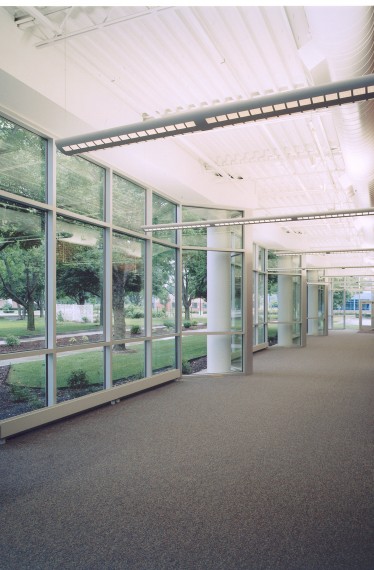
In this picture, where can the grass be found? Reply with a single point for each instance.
(19, 328)
(125, 364)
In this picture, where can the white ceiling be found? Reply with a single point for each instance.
(111, 66)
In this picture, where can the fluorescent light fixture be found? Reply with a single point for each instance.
(263, 220)
(232, 113)
(324, 252)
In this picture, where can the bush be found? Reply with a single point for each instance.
(84, 338)
(8, 308)
(187, 324)
(134, 312)
(168, 323)
(85, 320)
(135, 329)
(72, 340)
(19, 393)
(194, 323)
(60, 317)
(78, 380)
(158, 313)
(12, 340)
(186, 367)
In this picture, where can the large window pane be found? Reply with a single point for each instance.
(128, 363)
(22, 386)
(80, 186)
(163, 355)
(194, 353)
(22, 161)
(79, 282)
(236, 291)
(163, 212)
(163, 289)
(128, 286)
(198, 236)
(22, 278)
(128, 204)
(79, 373)
(194, 289)
(196, 356)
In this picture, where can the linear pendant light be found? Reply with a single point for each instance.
(329, 215)
(237, 112)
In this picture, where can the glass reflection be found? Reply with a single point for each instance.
(79, 373)
(23, 163)
(128, 363)
(79, 282)
(163, 212)
(22, 278)
(163, 355)
(127, 286)
(163, 289)
(22, 384)
(80, 185)
(128, 204)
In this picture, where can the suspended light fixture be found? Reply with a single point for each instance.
(262, 220)
(232, 113)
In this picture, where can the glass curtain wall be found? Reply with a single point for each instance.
(285, 299)
(87, 299)
(344, 298)
(212, 294)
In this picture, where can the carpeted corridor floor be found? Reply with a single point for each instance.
(272, 471)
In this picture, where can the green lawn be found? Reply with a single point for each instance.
(18, 328)
(125, 364)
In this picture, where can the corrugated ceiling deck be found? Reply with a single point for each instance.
(169, 59)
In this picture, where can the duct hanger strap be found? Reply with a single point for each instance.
(236, 112)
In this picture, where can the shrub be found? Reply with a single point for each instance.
(135, 329)
(85, 320)
(186, 367)
(194, 323)
(60, 317)
(168, 323)
(134, 312)
(158, 313)
(19, 393)
(84, 338)
(187, 324)
(72, 340)
(12, 340)
(78, 380)
(8, 308)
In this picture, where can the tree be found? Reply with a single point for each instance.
(124, 279)
(78, 271)
(194, 278)
(163, 273)
(22, 258)
(21, 276)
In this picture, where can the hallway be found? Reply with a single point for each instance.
(271, 471)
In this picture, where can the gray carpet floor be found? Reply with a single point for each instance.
(272, 471)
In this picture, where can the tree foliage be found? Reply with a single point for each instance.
(194, 278)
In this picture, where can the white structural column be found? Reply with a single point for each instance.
(313, 302)
(285, 303)
(219, 300)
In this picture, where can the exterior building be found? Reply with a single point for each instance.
(269, 220)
